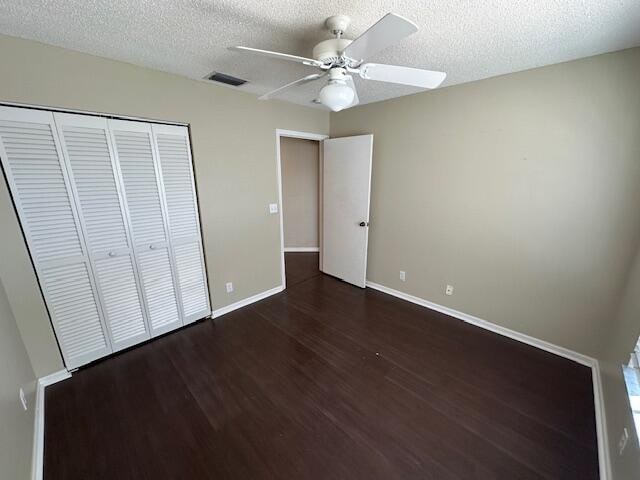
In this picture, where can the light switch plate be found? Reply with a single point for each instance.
(273, 208)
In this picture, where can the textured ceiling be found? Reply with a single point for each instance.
(468, 39)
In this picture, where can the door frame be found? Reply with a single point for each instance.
(319, 137)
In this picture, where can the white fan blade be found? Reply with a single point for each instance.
(388, 30)
(308, 78)
(352, 84)
(403, 75)
(280, 56)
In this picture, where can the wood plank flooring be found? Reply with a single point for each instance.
(325, 381)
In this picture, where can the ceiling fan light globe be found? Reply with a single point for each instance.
(336, 96)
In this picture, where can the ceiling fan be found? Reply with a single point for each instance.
(338, 57)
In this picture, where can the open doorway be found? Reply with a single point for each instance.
(300, 175)
(334, 213)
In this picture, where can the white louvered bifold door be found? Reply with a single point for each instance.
(174, 153)
(34, 167)
(86, 147)
(138, 167)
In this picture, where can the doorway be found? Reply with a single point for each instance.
(324, 191)
(300, 181)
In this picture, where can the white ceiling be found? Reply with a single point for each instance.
(468, 39)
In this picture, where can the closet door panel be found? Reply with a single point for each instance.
(135, 155)
(34, 167)
(90, 161)
(174, 154)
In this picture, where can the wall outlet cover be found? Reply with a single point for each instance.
(403, 275)
(273, 208)
(229, 287)
(449, 290)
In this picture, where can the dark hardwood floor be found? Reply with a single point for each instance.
(325, 381)
(300, 267)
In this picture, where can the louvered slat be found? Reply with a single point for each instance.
(178, 183)
(37, 178)
(86, 143)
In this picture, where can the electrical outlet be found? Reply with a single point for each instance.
(624, 439)
(449, 290)
(403, 275)
(273, 208)
(23, 399)
(229, 286)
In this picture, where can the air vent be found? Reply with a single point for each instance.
(224, 78)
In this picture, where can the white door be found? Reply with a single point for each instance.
(90, 163)
(136, 163)
(174, 154)
(36, 173)
(345, 217)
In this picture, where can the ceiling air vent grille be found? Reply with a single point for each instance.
(224, 78)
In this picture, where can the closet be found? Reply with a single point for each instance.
(109, 212)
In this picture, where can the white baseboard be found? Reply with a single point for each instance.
(521, 337)
(301, 249)
(247, 301)
(37, 459)
(604, 458)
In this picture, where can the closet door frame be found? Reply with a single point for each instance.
(46, 117)
(146, 127)
(101, 123)
(183, 131)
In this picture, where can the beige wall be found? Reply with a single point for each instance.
(233, 139)
(300, 169)
(16, 425)
(522, 191)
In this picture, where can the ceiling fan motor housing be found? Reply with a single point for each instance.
(338, 24)
(329, 50)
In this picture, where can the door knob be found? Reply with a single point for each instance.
(364, 224)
